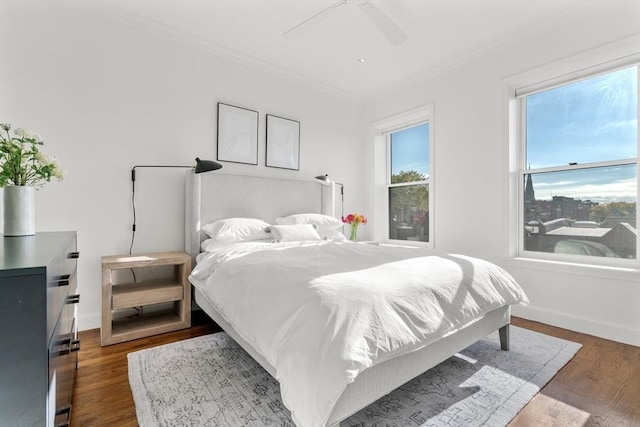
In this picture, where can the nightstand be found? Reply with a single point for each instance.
(172, 290)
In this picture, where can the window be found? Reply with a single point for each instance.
(403, 177)
(579, 166)
(408, 183)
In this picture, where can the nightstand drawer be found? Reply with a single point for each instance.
(150, 292)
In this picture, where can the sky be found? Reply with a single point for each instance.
(410, 150)
(602, 185)
(592, 120)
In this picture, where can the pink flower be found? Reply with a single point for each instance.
(354, 219)
(418, 217)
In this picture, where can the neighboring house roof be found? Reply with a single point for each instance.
(627, 227)
(579, 232)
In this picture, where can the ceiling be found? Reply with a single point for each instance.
(326, 54)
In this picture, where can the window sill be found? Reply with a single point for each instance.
(574, 268)
(408, 243)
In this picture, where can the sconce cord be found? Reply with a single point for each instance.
(342, 199)
(133, 205)
(133, 195)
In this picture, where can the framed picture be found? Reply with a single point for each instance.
(283, 143)
(237, 134)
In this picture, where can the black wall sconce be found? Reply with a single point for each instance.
(200, 167)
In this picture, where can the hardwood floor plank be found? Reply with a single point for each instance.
(600, 386)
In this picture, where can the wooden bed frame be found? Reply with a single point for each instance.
(212, 196)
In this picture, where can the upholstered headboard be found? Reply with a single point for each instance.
(212, 195)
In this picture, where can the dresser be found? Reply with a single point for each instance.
(38, 330)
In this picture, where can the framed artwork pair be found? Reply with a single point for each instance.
(238, 138)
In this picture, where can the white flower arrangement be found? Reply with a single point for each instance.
(22, 163)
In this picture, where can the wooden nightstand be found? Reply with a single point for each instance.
(173, 288)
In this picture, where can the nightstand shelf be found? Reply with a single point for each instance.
(174, 289)
(126, 329)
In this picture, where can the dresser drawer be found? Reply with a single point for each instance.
(58, 288)
(71, 256)
(61, 283)
(62, 364)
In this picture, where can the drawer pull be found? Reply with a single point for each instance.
(73, 299)
(65, 410)
(65, 341)
(68, 346)
(64, 280)
(73, 255)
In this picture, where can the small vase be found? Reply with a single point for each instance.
(353, 232)
(19, 211)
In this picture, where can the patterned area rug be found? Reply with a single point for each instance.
(211, 381)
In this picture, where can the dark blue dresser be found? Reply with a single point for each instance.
(38, 330)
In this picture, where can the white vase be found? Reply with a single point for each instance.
(19, 211)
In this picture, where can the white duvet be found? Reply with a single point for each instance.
(322, 312)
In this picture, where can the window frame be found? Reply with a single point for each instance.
(518, 100)
(389, 185)
(382, 170)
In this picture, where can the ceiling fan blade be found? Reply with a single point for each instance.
(294, 31)
(389, 28)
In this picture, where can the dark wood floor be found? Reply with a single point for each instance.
(600, 386)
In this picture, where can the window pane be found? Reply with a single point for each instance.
(409, 212)
(591, 120)
(582, 212)
(410, 154)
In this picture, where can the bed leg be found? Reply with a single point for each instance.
(504, 337)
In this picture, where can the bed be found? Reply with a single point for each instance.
(215, 196)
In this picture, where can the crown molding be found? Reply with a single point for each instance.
(112, 11)
(476, 53)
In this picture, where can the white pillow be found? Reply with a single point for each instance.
(211, 245)
(294, 233)
(319, 220)
(334, 235)
(236, 229)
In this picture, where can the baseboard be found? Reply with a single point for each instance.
(91, 321)
(608, 331)
(586, 326)
(94, 321)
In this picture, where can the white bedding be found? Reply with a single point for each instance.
(321, 312)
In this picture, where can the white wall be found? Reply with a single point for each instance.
(107, 95)
(471, 175)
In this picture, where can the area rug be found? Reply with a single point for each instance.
(211, 381)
